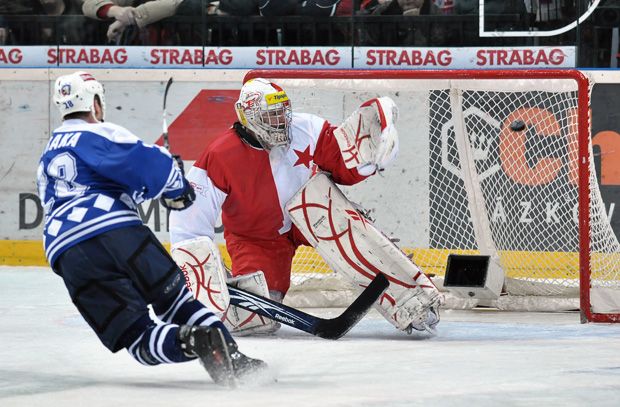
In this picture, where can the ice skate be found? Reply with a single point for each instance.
(244, 366)
(223, 361)
(208, 344)
(427, 321)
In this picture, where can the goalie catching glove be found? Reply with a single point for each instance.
(368, 139)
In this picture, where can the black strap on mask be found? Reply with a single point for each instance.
(246, 136)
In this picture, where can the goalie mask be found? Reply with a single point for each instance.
(264, 109)
(76, 93)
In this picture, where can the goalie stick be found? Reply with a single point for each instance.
(333, 328)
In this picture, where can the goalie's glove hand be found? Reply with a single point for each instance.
(182, 201)
(368, 139)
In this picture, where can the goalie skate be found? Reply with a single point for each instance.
(353, 247)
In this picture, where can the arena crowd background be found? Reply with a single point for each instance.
(294, 23)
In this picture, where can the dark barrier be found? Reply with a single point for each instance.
(593, 37)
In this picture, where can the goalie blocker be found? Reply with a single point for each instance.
(358, 251)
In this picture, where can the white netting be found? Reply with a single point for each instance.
(465, 182)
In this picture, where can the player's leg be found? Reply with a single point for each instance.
(273, 257)
(354, 248)
(109, 299)
(163, 286)
(109, 302)
(262, 268)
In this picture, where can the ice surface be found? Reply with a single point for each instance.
(49, 357)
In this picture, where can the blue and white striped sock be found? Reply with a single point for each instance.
(158, 344)
(185, 310)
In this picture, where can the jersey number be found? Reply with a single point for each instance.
(64, 169)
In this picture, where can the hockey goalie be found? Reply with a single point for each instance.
(273, 177)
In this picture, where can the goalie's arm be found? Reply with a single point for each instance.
(200, 218)
(329, 158)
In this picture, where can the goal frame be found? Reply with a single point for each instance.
(583, 126)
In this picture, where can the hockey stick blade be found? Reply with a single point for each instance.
(333, 328)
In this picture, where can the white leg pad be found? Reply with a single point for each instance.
(242, 322)
(352, 246)
(204, 272)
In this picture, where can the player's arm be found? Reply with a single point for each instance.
(329, 158)
(198, 220)
(146, 171)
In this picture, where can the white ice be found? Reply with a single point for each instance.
(49, 357)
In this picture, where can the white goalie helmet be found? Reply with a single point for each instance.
(264, 109)
(76, 93)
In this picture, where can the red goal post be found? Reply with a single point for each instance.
(528, 197)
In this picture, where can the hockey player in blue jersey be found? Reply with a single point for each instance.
(91, 177)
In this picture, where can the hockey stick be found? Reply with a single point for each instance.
(164, 131)
(333, 328)
(165, 123)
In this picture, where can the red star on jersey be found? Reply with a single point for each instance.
(303, 157)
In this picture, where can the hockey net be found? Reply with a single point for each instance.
(467, 182)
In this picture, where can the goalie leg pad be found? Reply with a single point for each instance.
(199, 260)
(352, 246)
(242, 322)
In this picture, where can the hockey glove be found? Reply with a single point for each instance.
(180, 202)
(368, 139)
(179, 163)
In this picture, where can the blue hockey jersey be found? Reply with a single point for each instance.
(91, 177)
